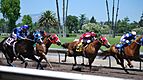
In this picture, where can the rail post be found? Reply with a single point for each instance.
(109, 61)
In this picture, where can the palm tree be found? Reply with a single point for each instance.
(58, 14)
(48, 20)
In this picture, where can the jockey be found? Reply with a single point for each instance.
(86, 38)
(38, 37)
(126, 40)
(17, 34)
(43, 33)
(20, 32)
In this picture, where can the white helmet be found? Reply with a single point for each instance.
(133, 32)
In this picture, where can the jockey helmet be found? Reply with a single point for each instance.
(93, 34)
(25, 27)
(133, 32)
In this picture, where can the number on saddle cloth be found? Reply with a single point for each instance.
(79, 47)
(9, 41)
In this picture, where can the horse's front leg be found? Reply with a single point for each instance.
(44, 57)
(75, 63)
(23, 59)
(117, 60)
(122, 64)
(129, 63)
(65, 58)
(38, 61)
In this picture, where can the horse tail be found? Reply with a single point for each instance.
(65, 45)
(104, 54)
(1, 44)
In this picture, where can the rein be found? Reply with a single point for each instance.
(50, 40)
(100, 41)
(138, 43)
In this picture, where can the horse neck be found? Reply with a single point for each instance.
(47, 42)
(135, 44)
(96, 44)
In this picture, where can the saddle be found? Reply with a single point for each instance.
(80, 47)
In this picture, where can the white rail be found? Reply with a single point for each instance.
(15, 73)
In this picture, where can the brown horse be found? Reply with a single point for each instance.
(89, 52)
(131, 52)
(42, 49)
(23, 49)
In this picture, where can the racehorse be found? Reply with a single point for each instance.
(23, 49)
(9, 57)
(131, 52)
(89, 52)
(42, 49)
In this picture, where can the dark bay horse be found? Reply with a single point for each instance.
(42, 49)
(23, 49)
(89, 52)
(131, 52)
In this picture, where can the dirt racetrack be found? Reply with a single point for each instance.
(96, 70)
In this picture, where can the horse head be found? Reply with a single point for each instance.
(139, 40)
(104, 41)
(54, 39)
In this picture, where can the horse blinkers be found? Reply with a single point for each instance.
(105, 42)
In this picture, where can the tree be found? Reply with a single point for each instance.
(92, 20)
(72, 23)
(82, 20)
(58, 14)
(27, 20)
(48, 20)
(123, 25)
(91, 27)
(11, 11)
(141, 21)
(2, 25)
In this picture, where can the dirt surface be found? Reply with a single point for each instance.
(96, 70)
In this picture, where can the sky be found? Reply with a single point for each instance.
(97, 8)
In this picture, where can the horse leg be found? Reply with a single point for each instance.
(117, 60)
(9, 60)
(44, 57)
(23, 60)
(90, 62)
(75, 63)
(38, 61)
(129, 63)
(82, 61)
(122, 64)
(65, 58)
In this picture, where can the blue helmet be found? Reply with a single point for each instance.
(25, 27)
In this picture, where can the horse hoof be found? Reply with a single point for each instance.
(131, 66)
(127, 72)
(76, 68)
(12, 65)
(63, 61)
(82, 64)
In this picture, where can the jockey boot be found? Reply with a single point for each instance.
(121, 50)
